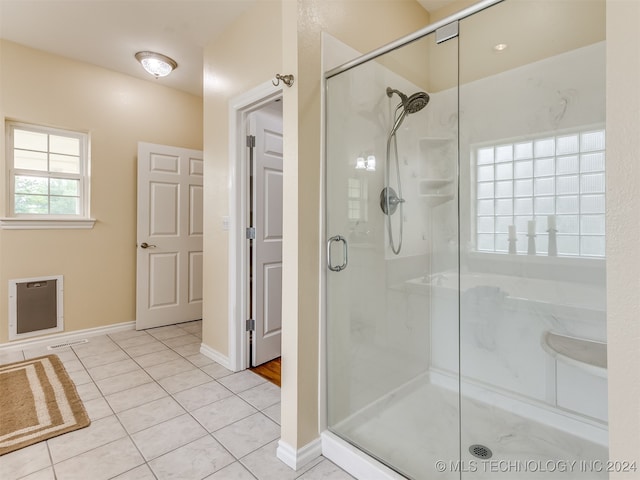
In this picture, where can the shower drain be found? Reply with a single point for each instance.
(480, 451)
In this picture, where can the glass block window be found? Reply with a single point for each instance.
(48, 171)
(557, 178)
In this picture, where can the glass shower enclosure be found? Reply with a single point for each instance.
(465, 294)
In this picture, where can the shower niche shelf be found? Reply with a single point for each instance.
(427, 185)
(435, 141)
(438, 155)
(435, 191)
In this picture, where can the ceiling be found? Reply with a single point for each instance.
(433, 5)
(108, 33)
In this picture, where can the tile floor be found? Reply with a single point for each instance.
(161, 410)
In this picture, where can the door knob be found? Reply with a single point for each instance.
(146, 245)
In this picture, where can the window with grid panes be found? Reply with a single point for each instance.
(555, 175)
(358, 196)
(48, 172)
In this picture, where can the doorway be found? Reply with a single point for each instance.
(247, 328)
(264, 234)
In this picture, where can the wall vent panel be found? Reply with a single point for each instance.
(35, 306)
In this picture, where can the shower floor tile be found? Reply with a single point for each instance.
(421, 428)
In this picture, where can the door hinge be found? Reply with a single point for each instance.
(251, 141)
(447, 32)
(250, 325)
(251, 233)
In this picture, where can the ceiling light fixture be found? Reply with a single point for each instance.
(500, 47)
(156, 64)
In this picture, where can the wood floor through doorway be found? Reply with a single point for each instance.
(270, 370)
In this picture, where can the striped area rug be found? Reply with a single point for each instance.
(38, 401)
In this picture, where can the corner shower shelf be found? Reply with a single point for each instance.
(437, 163)
(436, 198)
(435, 191)
(436, 141)
(434, 183)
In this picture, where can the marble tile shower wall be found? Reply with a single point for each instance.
(507, 303)
(160, 410)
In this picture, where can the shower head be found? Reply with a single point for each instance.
(412, 104)
(403, 97)
(416, 102)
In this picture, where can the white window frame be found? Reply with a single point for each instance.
(475, 149)
(21, 221)
(358, 203)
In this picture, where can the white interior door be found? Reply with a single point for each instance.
(169, 245)
(267, 246)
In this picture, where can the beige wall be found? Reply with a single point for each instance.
(623, 230)
(99, 265)
(246, 55)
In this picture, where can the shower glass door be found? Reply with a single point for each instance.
(465, 220)
(532, 230)
(392, 228)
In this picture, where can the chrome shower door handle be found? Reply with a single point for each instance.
(345, 249)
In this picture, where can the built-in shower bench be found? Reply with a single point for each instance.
(588, 354)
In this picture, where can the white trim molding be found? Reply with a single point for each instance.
(57, 338)
(297, 459)
(239, 109)
(215, 355)
(20, 223)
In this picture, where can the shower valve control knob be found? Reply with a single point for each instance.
(389, 201)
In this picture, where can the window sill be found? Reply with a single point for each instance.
(540, 258)
(11, 223)
(589, 270)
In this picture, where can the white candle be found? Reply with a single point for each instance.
(512, 232)
(551, 222)
(532, 227)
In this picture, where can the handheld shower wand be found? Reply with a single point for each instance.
(389, 199)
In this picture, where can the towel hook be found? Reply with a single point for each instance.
(286, 79)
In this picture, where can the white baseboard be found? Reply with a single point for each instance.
(215, 355)
(353, 461)
(66, 336)
(296, 459)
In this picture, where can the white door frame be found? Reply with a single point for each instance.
(239, 109)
